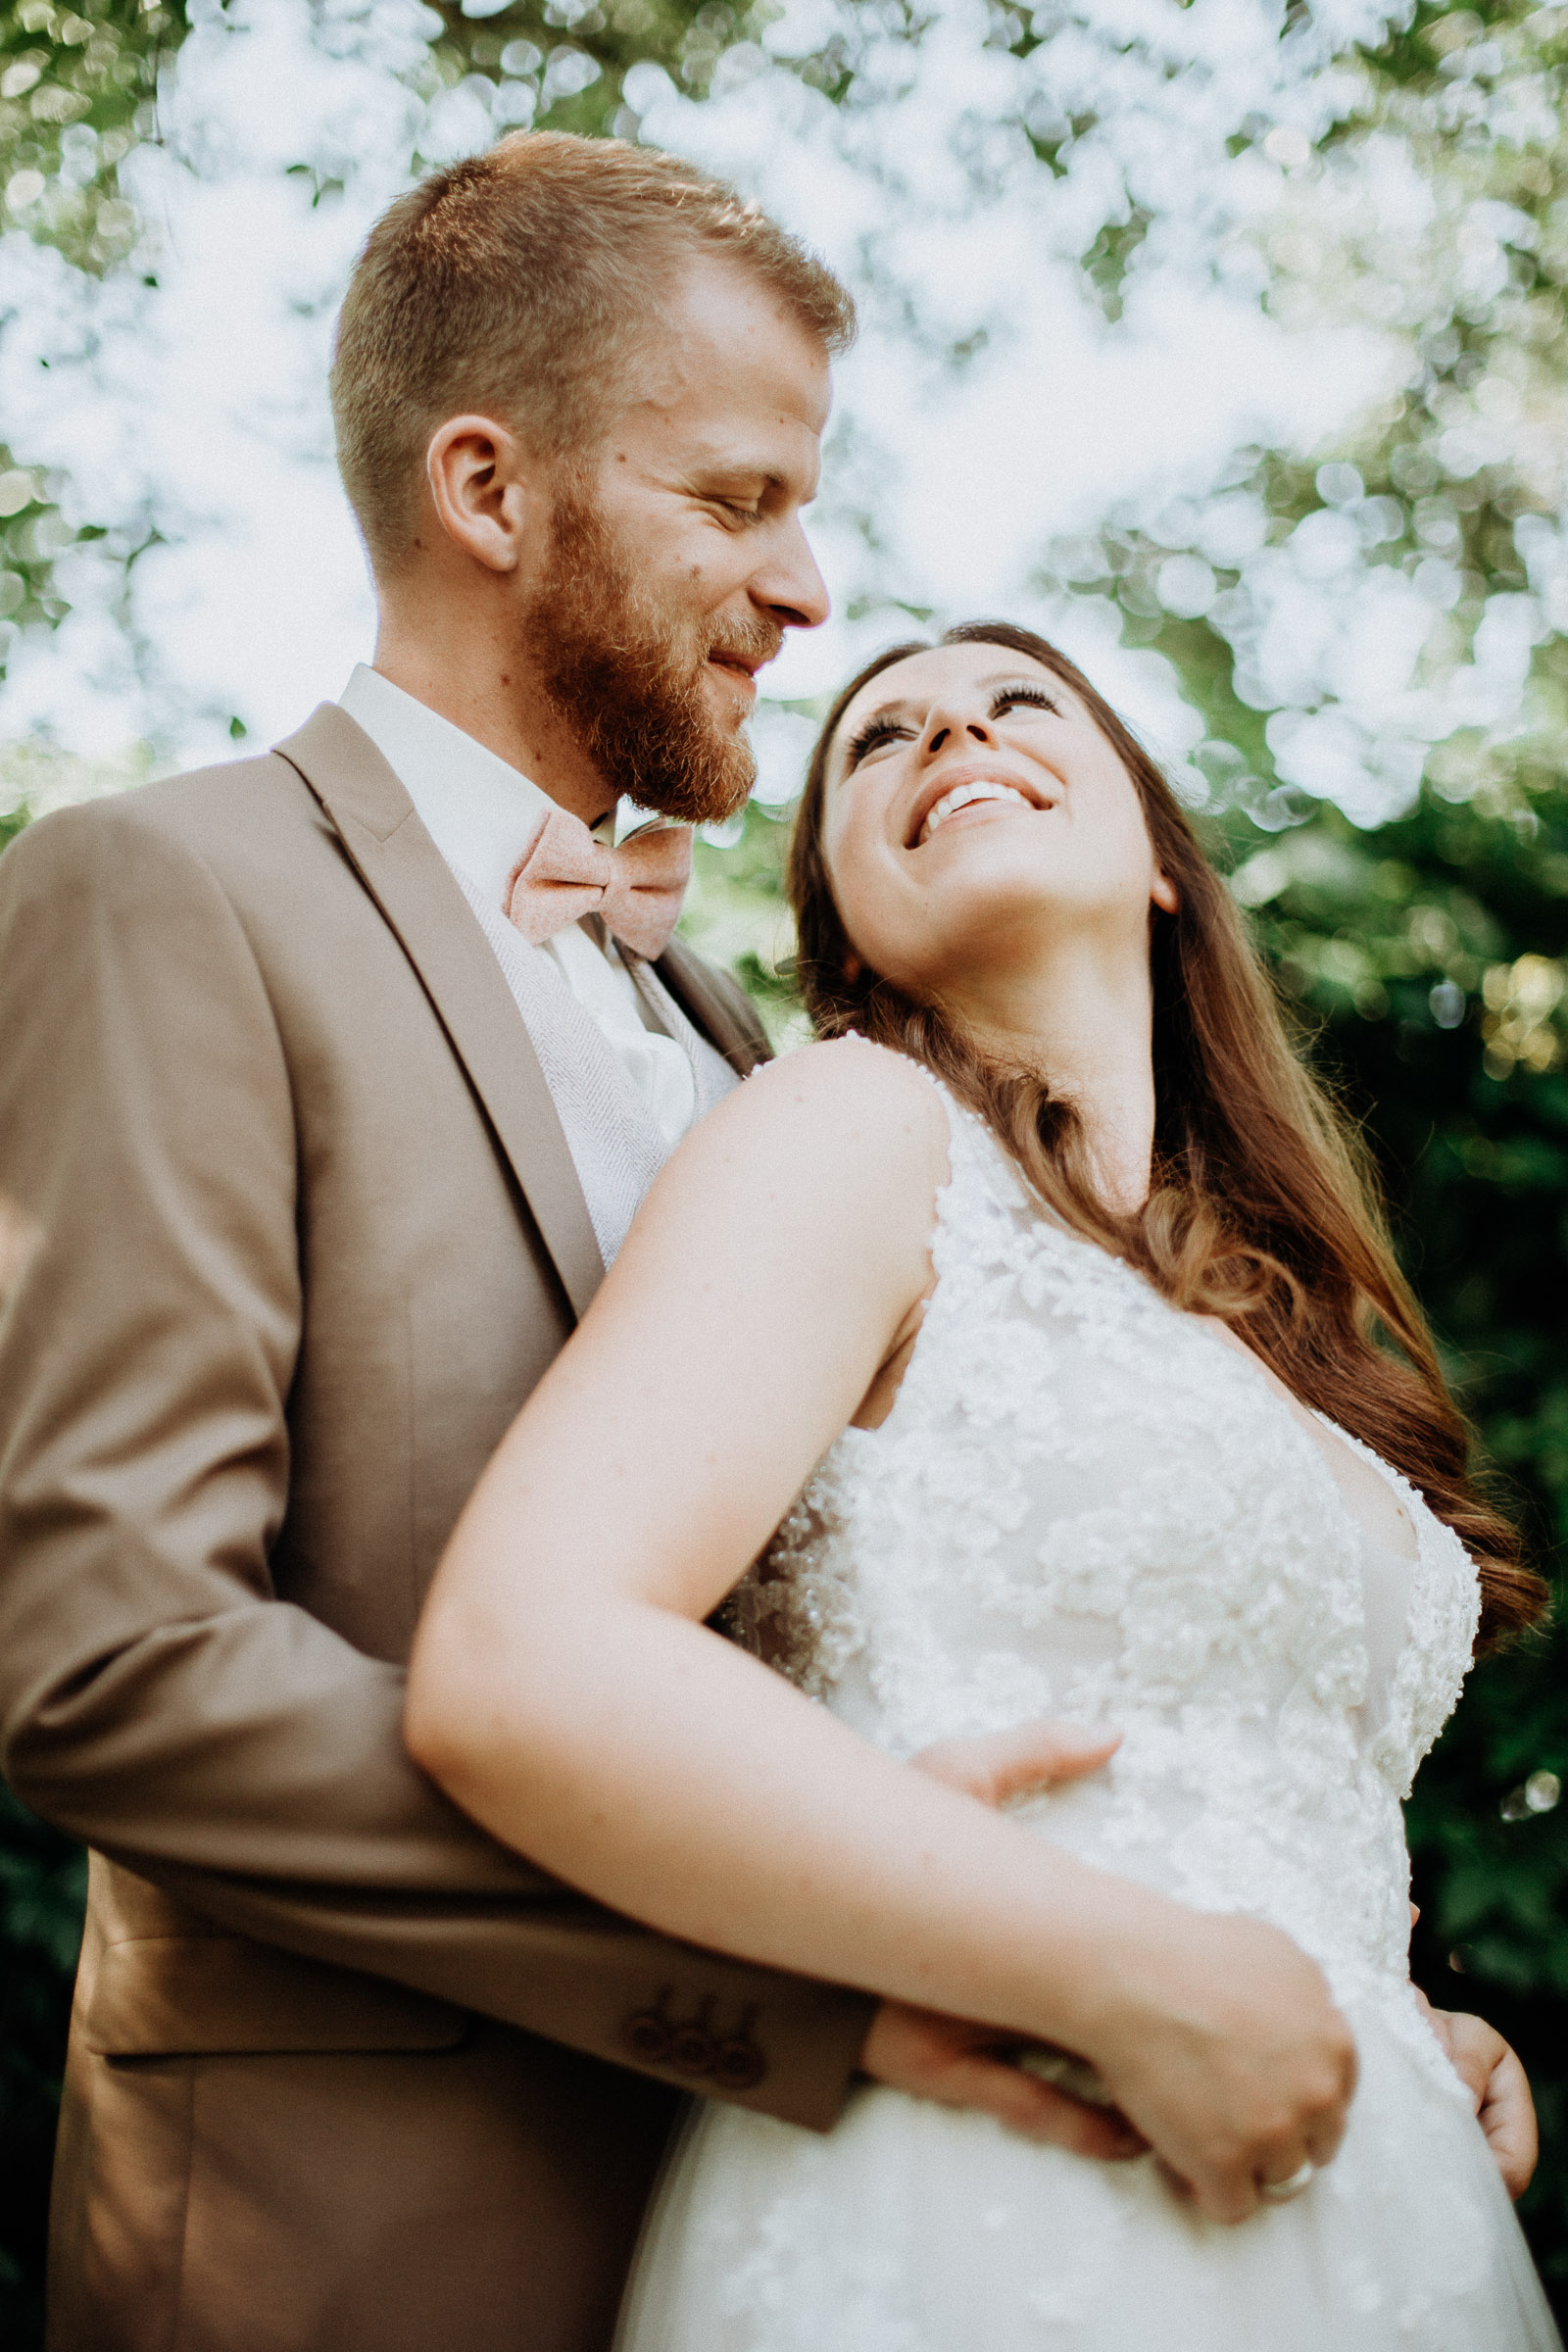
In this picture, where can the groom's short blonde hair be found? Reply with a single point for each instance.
(517, 284)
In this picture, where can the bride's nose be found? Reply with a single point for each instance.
(948, 720)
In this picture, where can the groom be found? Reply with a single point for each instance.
(329, 1083)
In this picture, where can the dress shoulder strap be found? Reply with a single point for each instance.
(985, 1204)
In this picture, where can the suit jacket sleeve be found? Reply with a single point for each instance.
(156, 1697)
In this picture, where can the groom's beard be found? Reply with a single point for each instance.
(630, 679)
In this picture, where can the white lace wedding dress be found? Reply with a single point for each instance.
(1086, 1504)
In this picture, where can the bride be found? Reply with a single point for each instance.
(1036, 1330)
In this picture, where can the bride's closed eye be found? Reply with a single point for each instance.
(885, 728)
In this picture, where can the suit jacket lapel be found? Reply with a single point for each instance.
(409, 881)
(716, 1006)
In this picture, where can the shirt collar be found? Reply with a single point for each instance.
(478, 810)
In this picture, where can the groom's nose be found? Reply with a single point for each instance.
(787, 584)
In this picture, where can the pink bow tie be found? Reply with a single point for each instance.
(637, 888)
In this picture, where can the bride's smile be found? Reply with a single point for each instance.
(966, 794)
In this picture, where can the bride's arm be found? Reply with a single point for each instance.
(566, 1691)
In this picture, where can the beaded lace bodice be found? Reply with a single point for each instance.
(1087, 1503)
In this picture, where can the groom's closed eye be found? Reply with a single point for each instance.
(748, 493)
(737, 508)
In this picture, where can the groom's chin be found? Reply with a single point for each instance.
(706, 791)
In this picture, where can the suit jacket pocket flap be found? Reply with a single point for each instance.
(178, 1996)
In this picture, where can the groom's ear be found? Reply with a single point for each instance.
(487, 489)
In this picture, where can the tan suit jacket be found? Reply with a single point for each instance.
(345, 2076)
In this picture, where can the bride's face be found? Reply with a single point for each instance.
(972, 810)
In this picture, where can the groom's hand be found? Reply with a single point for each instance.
(961, 2065)
(1025, 1761)
(1498, 2087)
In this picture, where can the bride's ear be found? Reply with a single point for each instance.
(853, 966)
(1163, 894)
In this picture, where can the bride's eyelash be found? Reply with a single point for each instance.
(874, 731)
(885, 728)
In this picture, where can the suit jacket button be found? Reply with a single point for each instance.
(691, 2051)
(648, 2033)
(692, 2046)
(739, 2065)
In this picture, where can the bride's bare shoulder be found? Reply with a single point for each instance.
(809, 1193)
(843, 1098)
(840, 1137)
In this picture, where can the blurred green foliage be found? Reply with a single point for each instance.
(33, 533)
(42, 1888)
(543, 51)
(75, 97)
(76, 94)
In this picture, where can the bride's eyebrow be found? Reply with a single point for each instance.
(855, 744)
(1036, 680)
(894, 710)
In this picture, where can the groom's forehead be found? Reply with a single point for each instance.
(726, 344)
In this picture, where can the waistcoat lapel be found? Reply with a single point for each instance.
(410, 883)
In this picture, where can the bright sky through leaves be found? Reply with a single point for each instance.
(991, 404)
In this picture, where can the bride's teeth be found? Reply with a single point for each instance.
(960, 797)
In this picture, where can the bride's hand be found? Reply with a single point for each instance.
(1219, 2041)
(961, 2065)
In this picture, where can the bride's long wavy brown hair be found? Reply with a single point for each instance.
(1263, 1209)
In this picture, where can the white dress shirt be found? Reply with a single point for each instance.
(481, 813)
